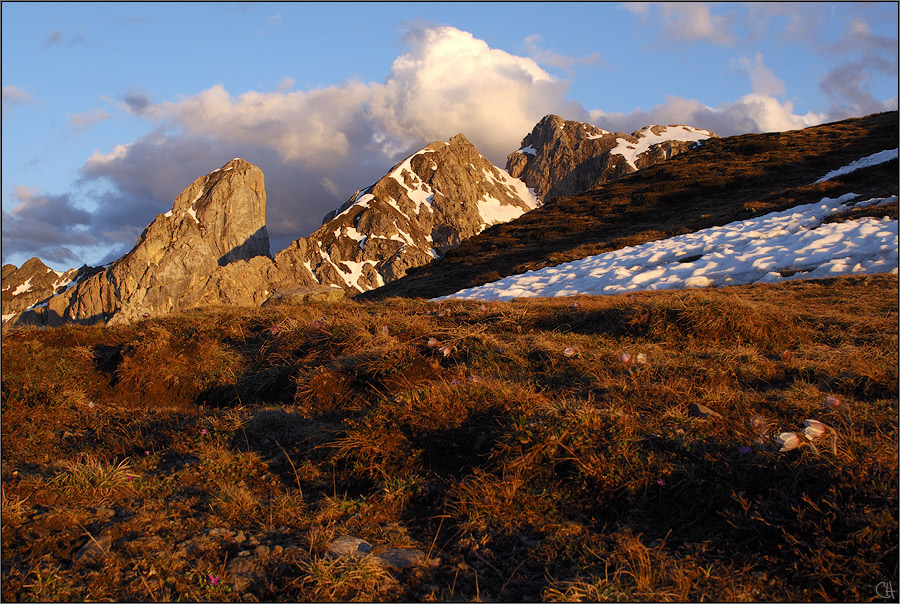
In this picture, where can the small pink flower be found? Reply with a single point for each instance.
(661, 482)
(833, 402)
(204, 431)
(384, 329)
(147, 453)
(432, 343)
(570, 351)
(626, 359)
(213, 579)
(445, 350)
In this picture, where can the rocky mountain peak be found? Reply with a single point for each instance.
(564, 157)
(426, 204)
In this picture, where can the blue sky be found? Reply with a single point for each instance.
(111, 109)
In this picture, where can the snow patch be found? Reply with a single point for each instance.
(25, 287)
(493, 211)
(646, 139)
(792, 244)
(865, 162)
(529, 150)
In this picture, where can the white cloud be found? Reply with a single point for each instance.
(317, 147)
(751, 113)
(286, 84)
(82, 121)
(761, 77)
(13, 95)
(685, 21)
(554, 59)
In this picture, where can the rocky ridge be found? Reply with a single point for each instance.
(424, 206)
(563, 157)
(213, 248)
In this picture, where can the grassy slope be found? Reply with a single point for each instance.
(525, 473)
(721, 181)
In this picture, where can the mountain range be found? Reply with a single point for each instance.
(446, 218)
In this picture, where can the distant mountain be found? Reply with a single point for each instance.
(720, 181)
(34, 282)
(562, 157)
(425, 205)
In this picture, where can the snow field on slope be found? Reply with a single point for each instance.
(631, 151)
(865, 162)
(792, 244)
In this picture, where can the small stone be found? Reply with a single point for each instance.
(94, 548)
(698, 410)
(398, 558)
(261, 550)
(104, 513)
(347, 545)
(277, 549)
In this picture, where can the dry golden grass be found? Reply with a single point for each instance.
(217, 453)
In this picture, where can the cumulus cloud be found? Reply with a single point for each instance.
(317, 147)
(12, 96)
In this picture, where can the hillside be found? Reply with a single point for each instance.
(720, 181)
(652, 446)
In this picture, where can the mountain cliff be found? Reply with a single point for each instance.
(563, 157)
(211, 248)
(425, 205)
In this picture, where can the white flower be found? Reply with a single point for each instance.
(788, 441)
(432, 343)
(814, 429)
(626, 359)
(570, 351)
(445, 350)
(641, 359)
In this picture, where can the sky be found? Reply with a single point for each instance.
(110, 110)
